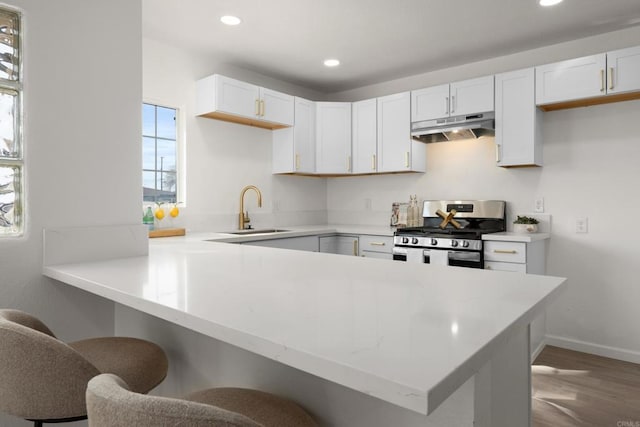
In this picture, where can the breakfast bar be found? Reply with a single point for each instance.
(409, 335)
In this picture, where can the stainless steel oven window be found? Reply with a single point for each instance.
(11, 141)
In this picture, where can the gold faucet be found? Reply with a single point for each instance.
(244, 216)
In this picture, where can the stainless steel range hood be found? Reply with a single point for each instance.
(453, 128)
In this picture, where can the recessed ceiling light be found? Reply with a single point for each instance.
(549, 2)
(230, 20)
(331, 62)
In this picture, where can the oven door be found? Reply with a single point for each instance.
(409, 254)
(465, 259)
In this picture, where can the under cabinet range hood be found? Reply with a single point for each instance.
(453, 128)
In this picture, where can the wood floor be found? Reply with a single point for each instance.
(578, 389)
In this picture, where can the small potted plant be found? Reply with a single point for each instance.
(525, 224)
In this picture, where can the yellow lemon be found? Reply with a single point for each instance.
(159, 213)
(174, 212)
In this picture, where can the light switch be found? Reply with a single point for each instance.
(539, 205)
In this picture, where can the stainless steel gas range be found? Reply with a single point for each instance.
(451, 233)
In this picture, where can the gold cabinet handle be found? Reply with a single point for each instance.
(453, 103)
(497, 153)
(373, 162)
(355, 247)
(610, 77)
(446, 105)
(406, 159)
(297, 161)
(262, 107)
(378, 244)
(348, 163)
(505, 251)
(257, 107)
(602, 81)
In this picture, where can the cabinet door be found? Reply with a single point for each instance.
(394, 132)
(304, 136)
(471, 96)
(505, 266)
(236, 97)
(517, 120)
(430, 103)
(294, 148)
(341, 245)
(364, 137)
(623, 70)
(569, 80)
(333, 137)
(276, 107)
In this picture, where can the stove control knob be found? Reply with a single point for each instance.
(434, 242)
(465, 244)
(454, 243)
(405, 240)
(414, 240)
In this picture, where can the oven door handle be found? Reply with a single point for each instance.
(464, 256)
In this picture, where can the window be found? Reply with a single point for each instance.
(159, 154)
(11, 160)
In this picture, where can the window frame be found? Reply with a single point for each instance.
(17, 162)
(180, 150)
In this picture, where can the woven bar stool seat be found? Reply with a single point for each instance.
(44, 379)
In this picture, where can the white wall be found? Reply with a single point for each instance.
(590, 170)
(82, 151)
(221, 157)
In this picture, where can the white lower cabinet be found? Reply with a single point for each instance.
(339, 244)
(306, 243)
(376, 246)
(520, 257)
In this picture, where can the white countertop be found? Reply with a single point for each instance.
(509, 236)
(406, 333)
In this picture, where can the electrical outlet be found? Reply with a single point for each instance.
(539, 205)
(367, 204)
(582, 225)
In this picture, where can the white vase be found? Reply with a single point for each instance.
(525, 228)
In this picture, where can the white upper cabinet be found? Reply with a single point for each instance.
(333, 137)
(623, 70)
(573, 79)
(517, 138)
(599, 76)
(364, 136)
(430, 103)
(294, 149)
(397, 151)
(223, 98)
(276, 107)
(459, 98)
(472, 96)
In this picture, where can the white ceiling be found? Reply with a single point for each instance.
(376, 40)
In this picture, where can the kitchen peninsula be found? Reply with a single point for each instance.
(408, 334)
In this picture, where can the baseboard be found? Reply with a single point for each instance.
(538, 349)
(597, 349)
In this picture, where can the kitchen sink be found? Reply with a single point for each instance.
(257, 231)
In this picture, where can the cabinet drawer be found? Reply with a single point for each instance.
(505, 266)
(382, 244)
(505, 251)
